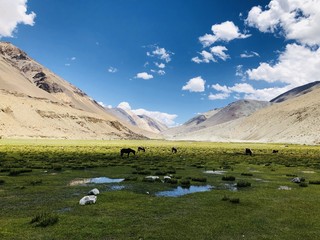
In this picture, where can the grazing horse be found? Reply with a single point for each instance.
(128, 151)
(141, 149)
(275, 151)
(248, 151)
(174, 150)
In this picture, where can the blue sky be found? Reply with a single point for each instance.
(170, 59)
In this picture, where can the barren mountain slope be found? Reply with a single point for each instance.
(293, 121)
(141, 121)
(233, 111)
(34, 102)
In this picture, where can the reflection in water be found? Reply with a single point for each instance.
(106, 180)
(179, 191)
(217, 172)
(84, 181)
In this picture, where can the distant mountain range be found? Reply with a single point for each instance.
(36, 103)
(291, 117)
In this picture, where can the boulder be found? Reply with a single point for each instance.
(88, 200)
(296, 180)
(94, 191)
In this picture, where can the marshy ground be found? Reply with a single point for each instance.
(240, 196)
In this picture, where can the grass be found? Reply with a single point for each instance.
(38, 191)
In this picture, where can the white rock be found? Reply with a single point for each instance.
(94, 191)
(88, 200)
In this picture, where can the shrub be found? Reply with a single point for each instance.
(131, 178)
(36, 182)
(56, 167)
(199, 179)
(185, 183)
(228, 178)
(16, 172)
(314, 182)
(234, 200)
(247, 174)
(303, 184)
(2, 182)
(243, 184)
(44, 219)
(160, 173)
(225, 198)
(172, 181)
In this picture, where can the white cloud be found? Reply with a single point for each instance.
(247, 91)
(296, 66)
(12, 13)
(124, 105)
(73, 58)
(206, 57)
(144, 75)
(247, 54)
(161, 72)
(218, 96)
(105, 106)
(165, 118)
(160, 53)
(219, 51)
(196, 84)
(112, 70)
(67, 64)
(295, 19)
(221, 88)
(225, 31)
(160, 65)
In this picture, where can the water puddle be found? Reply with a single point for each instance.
(98, 180)
(180, 191)
(217, 172)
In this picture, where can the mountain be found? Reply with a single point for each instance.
(141, 121)
(34, 102)
(235, 110)
(294, 120)
(295, 92)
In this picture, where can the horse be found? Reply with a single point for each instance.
(174, 150)
(275, 151)
(248, 151)
(141, 149)
(128, 151)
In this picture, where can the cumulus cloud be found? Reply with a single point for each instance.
(297, 65)
(207, 57)
(219, 51)
(165, 118)
(247, 91)
(160, 65)
(12, 13)
(247, 54)
(295, 19)
(196, 84)
(218, 96)
(160, 53)
(144, 75)
(124, 105)
(225, 31)
(112, 70)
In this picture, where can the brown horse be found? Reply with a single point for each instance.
(127, 151)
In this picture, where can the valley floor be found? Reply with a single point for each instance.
(249, 197)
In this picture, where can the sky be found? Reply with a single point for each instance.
(170, 59)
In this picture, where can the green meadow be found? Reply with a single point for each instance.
(249, 197)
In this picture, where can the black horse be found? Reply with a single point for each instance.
(174, 150)
(128, 151)
(141, 149)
